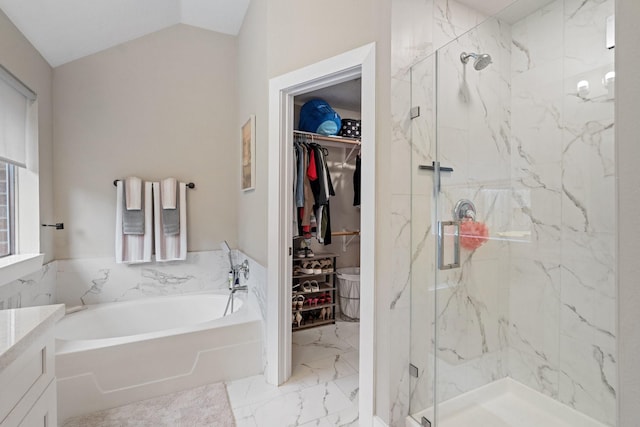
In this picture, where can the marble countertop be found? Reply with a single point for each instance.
(20, 327)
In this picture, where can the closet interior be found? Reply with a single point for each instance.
(325, 284)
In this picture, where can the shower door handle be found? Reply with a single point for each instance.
(456, 245)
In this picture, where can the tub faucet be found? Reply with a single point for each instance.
(234, 282)
(234, 277)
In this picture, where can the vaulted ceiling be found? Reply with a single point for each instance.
(64, 30)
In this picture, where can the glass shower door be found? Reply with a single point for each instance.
(461, 199)
(473, 129)
(424, 274)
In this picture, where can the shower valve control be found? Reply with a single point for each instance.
(464, 210)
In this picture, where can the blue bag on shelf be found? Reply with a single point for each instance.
(317, 116)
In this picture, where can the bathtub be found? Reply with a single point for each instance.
(117, 353)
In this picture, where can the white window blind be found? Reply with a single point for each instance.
(15, 101)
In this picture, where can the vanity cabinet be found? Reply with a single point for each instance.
(27, 367)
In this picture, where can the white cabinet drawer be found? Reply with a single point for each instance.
(44, 412)
(24, 380)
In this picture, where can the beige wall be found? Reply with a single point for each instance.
(299, 34)
(628, 158)
(277, 38)
(162, 105)
(24, 61)
(253, 94)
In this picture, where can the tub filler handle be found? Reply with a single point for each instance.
(234, 282)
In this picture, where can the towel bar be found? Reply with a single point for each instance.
(189, 185)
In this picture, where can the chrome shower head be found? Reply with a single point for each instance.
(482, 60)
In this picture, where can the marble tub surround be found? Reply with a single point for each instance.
(20, 327)
(96, 280)
(35, 289)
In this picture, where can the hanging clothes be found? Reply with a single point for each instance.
(312, 190)
(356, 183)
(299, 181)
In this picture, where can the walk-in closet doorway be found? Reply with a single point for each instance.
(356, 64)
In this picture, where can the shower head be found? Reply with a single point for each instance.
(482, 60)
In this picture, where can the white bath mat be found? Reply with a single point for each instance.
(202, 406)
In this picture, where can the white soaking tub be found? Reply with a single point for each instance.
(116, 353)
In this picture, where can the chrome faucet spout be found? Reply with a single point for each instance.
(234, 277)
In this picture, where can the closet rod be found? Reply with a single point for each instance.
(189, 185)
(336, 139)
(346, 233)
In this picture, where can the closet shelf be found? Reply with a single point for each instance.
(347, 237)
(313, 324)
(339, 141)
(306, 276)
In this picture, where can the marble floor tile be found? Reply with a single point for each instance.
(353, 359)
(319, 371)
(319, 343)
(350, 386)
(255, 389)
(294, 409)
(323, 388)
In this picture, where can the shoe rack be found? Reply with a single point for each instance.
(313, 290)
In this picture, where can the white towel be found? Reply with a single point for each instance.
(133, 248)
(170, 247)
(168, 189)
(134, 193)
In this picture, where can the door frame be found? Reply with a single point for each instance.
(359, 62)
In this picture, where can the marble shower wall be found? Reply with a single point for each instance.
(537, 302)
(563, 297)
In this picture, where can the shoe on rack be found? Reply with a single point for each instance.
(317, 268)
(301, 253)
(298, 271)
(306, 268)
(327, 266)
(298, 318)
(308, 253)
(306, 286)
(314, 286)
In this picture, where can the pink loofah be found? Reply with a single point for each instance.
(473, 234)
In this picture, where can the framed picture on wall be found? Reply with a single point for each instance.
(249, 154)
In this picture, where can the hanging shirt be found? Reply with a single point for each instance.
(356, 183)
(299, 176)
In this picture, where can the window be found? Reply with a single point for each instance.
(7, 209)
(19, 180)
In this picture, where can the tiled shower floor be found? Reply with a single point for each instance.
(323, 388)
